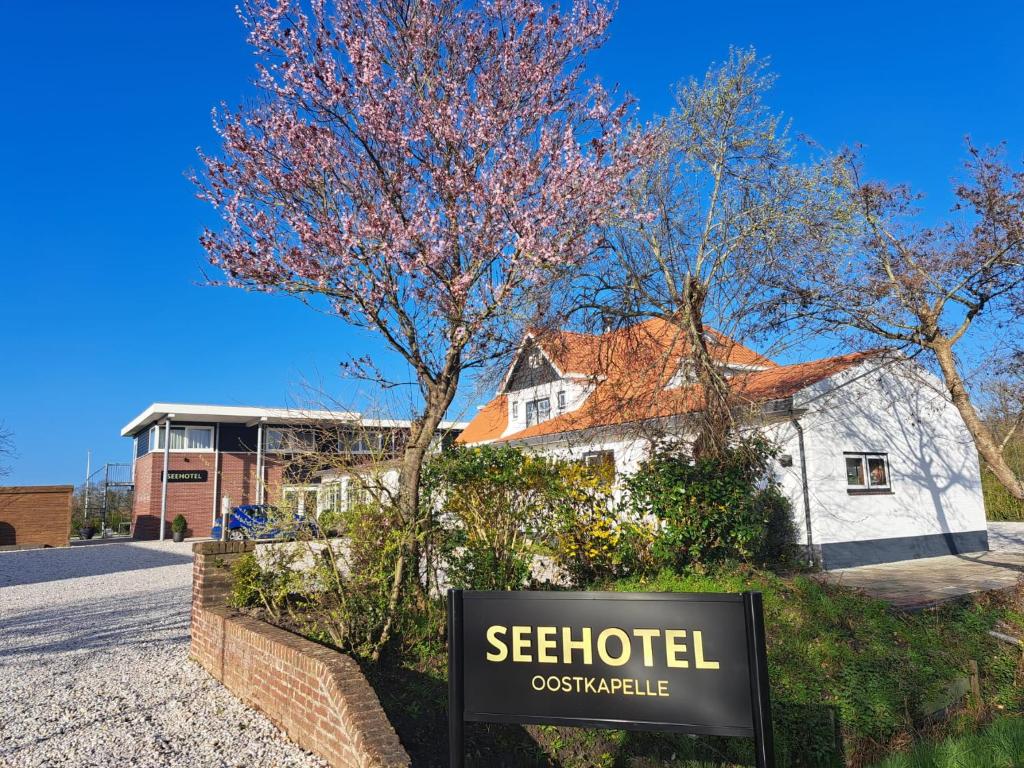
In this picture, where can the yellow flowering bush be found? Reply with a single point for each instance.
(591, 540)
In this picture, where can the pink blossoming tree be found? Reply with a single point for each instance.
(424, 169)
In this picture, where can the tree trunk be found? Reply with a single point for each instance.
(421, 433)
(984, 441)
(716, 416)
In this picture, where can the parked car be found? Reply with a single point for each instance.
(262, 521)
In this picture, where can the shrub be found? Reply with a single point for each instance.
(492, 503)
(179, 524)
(591, 538)
(713, 511)
(351, 581)
(268, 585)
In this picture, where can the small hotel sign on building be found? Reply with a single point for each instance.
(691, 663)
(185, 476)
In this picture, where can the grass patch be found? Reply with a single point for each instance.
(999, 504)
(849, 677)
(999, 745)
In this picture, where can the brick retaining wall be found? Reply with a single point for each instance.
(37, 515)
(318, 696)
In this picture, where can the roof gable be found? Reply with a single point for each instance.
(635, 378)
(530, 368)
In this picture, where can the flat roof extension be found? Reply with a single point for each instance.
(249, 414)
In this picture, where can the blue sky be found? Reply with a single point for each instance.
(102, 307)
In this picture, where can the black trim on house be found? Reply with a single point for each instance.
(848, 554)
(524, 375)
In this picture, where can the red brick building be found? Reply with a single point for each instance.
(247, 455)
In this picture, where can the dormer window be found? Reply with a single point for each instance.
(686, 374)
(537, 411)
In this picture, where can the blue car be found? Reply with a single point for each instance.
(252, 521)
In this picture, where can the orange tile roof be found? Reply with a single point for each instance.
(489, 422)
(599, 354)
(631, 372)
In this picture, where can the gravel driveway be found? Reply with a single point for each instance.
(94, 667)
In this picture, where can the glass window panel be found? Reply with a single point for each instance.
(878, 472)
(200, 438)
(537, 411)
(275, 439)
(177, 438)
(855, 470)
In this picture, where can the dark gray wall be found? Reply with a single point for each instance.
(848, 554)
(524, 376)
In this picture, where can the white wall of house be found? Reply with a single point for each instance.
(934, 501)
(629, 451)
(935, 477)
(576, 391)
(337, 488)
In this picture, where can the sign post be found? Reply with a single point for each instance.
(681, 662)
(456, 703)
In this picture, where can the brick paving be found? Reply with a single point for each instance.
(916, 584)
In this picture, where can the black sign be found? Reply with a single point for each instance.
(686, 662)
(185, 476)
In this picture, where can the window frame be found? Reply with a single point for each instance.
(603, 457)
(561, 400)
(515, 410)
(287, 431)
(536, 411)
(366, 444)
(868, 486)
(157, 429)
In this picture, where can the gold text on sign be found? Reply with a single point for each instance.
(612, 646)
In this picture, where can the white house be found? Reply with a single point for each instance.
(876, 461)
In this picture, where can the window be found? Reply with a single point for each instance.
(533, 359)
(182, 438)
(561, 401)
(281, 439)
(867, 472)
(330, 498)
(538, 411)
(599, 459)
(364, 443)
(515, 409)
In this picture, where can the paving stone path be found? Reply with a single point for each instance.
(915, 584)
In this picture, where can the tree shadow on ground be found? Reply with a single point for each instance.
(416, 704)
(806, 737)
(158, 618)
(41, 565)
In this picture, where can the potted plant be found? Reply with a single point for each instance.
(178, 526)
(86, 530)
